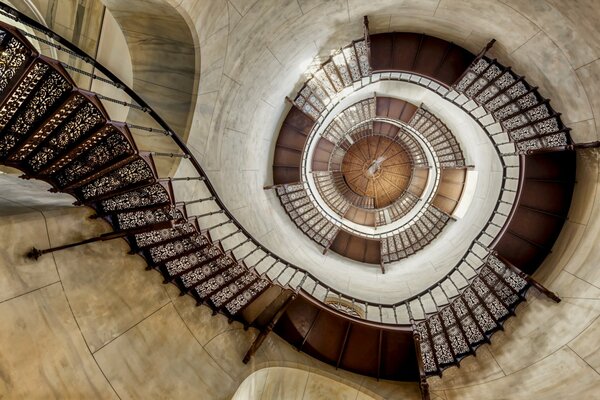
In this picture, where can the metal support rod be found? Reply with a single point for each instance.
(206, 214)
(160, 154)
(116, 101)
(229, 235)
(218, 225)
(241, 243)
(268, 187)
(272, 265)
(187, 178)
(423, 385)
(187, 203)
(302, 281)
(265, 332)
(587, 145)
(148, 129)
(37, 253)
(249, 254)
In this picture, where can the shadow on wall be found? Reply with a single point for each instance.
(165, 57)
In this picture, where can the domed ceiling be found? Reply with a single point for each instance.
(378, 180)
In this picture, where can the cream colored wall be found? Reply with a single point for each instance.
(91, 323)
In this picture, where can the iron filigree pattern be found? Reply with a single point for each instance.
(427, 355)
(12, 57)
(457, 341)
(150, 195)
(247, 296)
(134, 172)
(49, 93)
(49, 126)
(227, 292)
(194, 260)
(471, 330)
(304, 214)
(148, 239)
(13, 106)
(179, 246)
(194, 276)
(84, 122)
(19, 95)
(439, 136)
(510, 277)
(138, 219)
(345, 67)
(484, 319)
(99, 156)
(442, 349)
(415, 236)
(530, 121)
(217, 281)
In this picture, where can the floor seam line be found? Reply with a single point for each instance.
(131, 327)
(582, 359)
(29, 292)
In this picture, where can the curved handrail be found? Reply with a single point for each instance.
(20, 17)
(65, 45)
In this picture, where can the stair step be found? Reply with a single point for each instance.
(196, 259)
(107, 147)
(171, 250)
(140, 218)
(236, 275)
(36, 95)
(226, 293)
(247, 296)
(152, 238)
(196, 276)
(77, 117)
(529, 119)
(151, 195)
(124, 179)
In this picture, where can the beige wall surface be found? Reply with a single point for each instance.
(91, 323)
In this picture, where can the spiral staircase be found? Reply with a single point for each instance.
(54, 131)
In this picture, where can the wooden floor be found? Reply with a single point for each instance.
(377, 167)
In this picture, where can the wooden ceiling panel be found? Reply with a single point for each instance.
(298, 120)
(432, 54)
(326, 337)
(405, 49)
(361, 354)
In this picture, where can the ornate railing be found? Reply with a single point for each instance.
(211, 213)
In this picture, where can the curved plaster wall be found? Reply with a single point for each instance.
(254, 54)
(90, 323)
